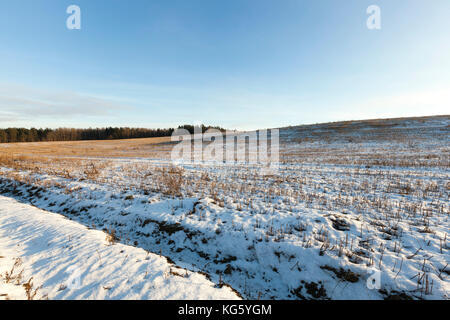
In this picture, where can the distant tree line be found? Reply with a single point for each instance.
(204, 128)
(70, 134)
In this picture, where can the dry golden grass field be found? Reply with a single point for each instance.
(104, 148)
(408, 140)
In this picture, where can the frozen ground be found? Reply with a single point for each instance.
(352, 201)
(61, 259)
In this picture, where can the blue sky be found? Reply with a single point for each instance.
(241, 64)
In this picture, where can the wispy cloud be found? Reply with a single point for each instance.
(431, 101)
(22, 103)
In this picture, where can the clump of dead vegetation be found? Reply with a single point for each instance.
(111, 236)
(172, 181)
(15, 276)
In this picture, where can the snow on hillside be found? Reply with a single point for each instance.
(55, 252)
(349, 200)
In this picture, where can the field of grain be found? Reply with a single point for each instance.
(351, 202)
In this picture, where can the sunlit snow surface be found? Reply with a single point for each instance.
(54, 250)
(349, 199)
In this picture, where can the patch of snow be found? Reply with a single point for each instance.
(70, 261)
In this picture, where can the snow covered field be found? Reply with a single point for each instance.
(358, 210)
(66, 260)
